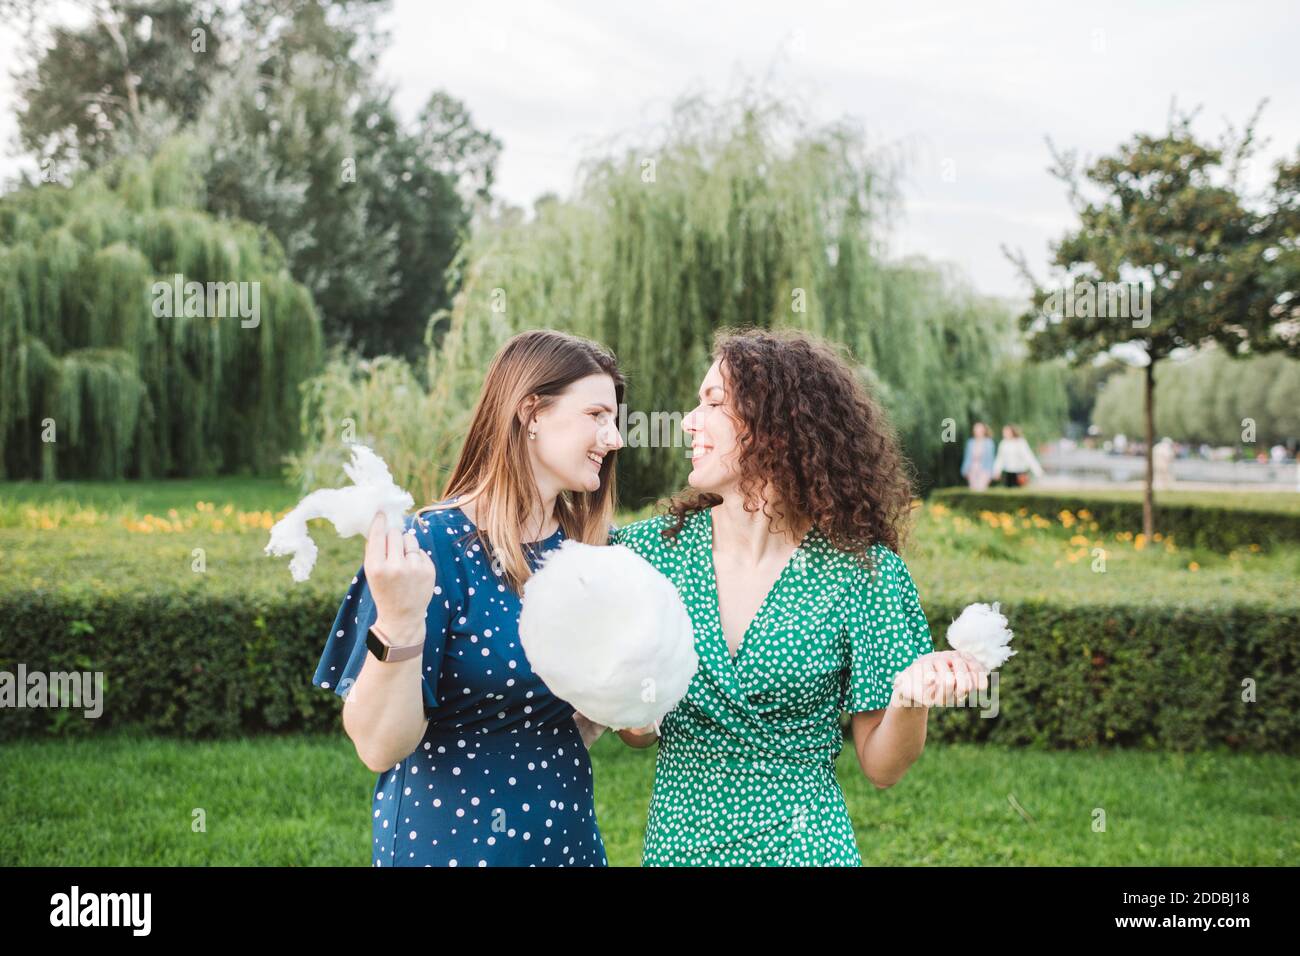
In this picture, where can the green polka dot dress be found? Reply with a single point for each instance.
(745, 773)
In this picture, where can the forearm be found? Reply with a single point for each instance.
(384, 711)
(894, 745)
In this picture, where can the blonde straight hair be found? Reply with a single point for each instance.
(530, 369)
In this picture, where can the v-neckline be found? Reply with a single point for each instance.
(734, 659)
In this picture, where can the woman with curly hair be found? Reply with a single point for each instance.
(784, 550)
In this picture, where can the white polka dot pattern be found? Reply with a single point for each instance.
(501, 776)
(745, 773)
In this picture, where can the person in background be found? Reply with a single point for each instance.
(1162, 463)
(1015, 459)
(977, 460)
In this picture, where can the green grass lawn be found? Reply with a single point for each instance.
(1286, 502)
(121, 799)
(134, 536)
(142, 497)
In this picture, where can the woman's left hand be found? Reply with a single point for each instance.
(939, 679)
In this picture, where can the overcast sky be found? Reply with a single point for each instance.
(968, 91)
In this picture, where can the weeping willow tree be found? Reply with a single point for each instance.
(740, 214)
(102, 375)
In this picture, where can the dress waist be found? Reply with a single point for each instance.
(550, 738)
(816, 765)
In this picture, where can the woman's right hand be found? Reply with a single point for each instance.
(401, 576)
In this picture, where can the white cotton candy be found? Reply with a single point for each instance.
(607, 633)
(351, 510)
(981, 631)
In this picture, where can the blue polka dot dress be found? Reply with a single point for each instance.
(501, 777)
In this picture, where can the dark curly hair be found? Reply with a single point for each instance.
(810, 427)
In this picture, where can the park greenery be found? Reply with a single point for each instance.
(1208, 397)
(740, 214)
(1170, 254)
(150, 435)
(736, 213)
(101, 375)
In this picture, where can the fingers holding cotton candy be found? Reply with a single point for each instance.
(980, 641)
(608, 633)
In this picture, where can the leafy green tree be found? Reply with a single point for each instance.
(90, 91)
(102, 375)
(1170, 254)
(299, 137)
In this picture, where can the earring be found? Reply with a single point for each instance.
(531, 433)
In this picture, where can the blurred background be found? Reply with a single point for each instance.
(1059, 245)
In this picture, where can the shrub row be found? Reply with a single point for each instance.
(1221, 529)
(215, 665)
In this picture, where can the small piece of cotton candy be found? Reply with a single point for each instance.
(350, 509)
(607, 633)
(981, 631)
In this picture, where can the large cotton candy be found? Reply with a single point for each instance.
(351, 509)
(608, 633)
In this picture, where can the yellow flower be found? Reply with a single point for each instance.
(1193, 566)
(1140, 542)
(1085, 514)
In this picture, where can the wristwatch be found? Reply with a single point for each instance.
(380, 646)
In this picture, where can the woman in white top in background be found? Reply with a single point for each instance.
(1014, 459)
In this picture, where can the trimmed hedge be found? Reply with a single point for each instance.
(201, 665)
(1221, 529)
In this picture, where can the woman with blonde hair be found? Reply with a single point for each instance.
(478, 763)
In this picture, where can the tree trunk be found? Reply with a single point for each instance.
(1148, 492)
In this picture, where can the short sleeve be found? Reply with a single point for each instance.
(345, 649)
(887, 631)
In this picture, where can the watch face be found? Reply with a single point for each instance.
(377, 647)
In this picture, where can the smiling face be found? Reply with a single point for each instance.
(575, 433)
(714, 435)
